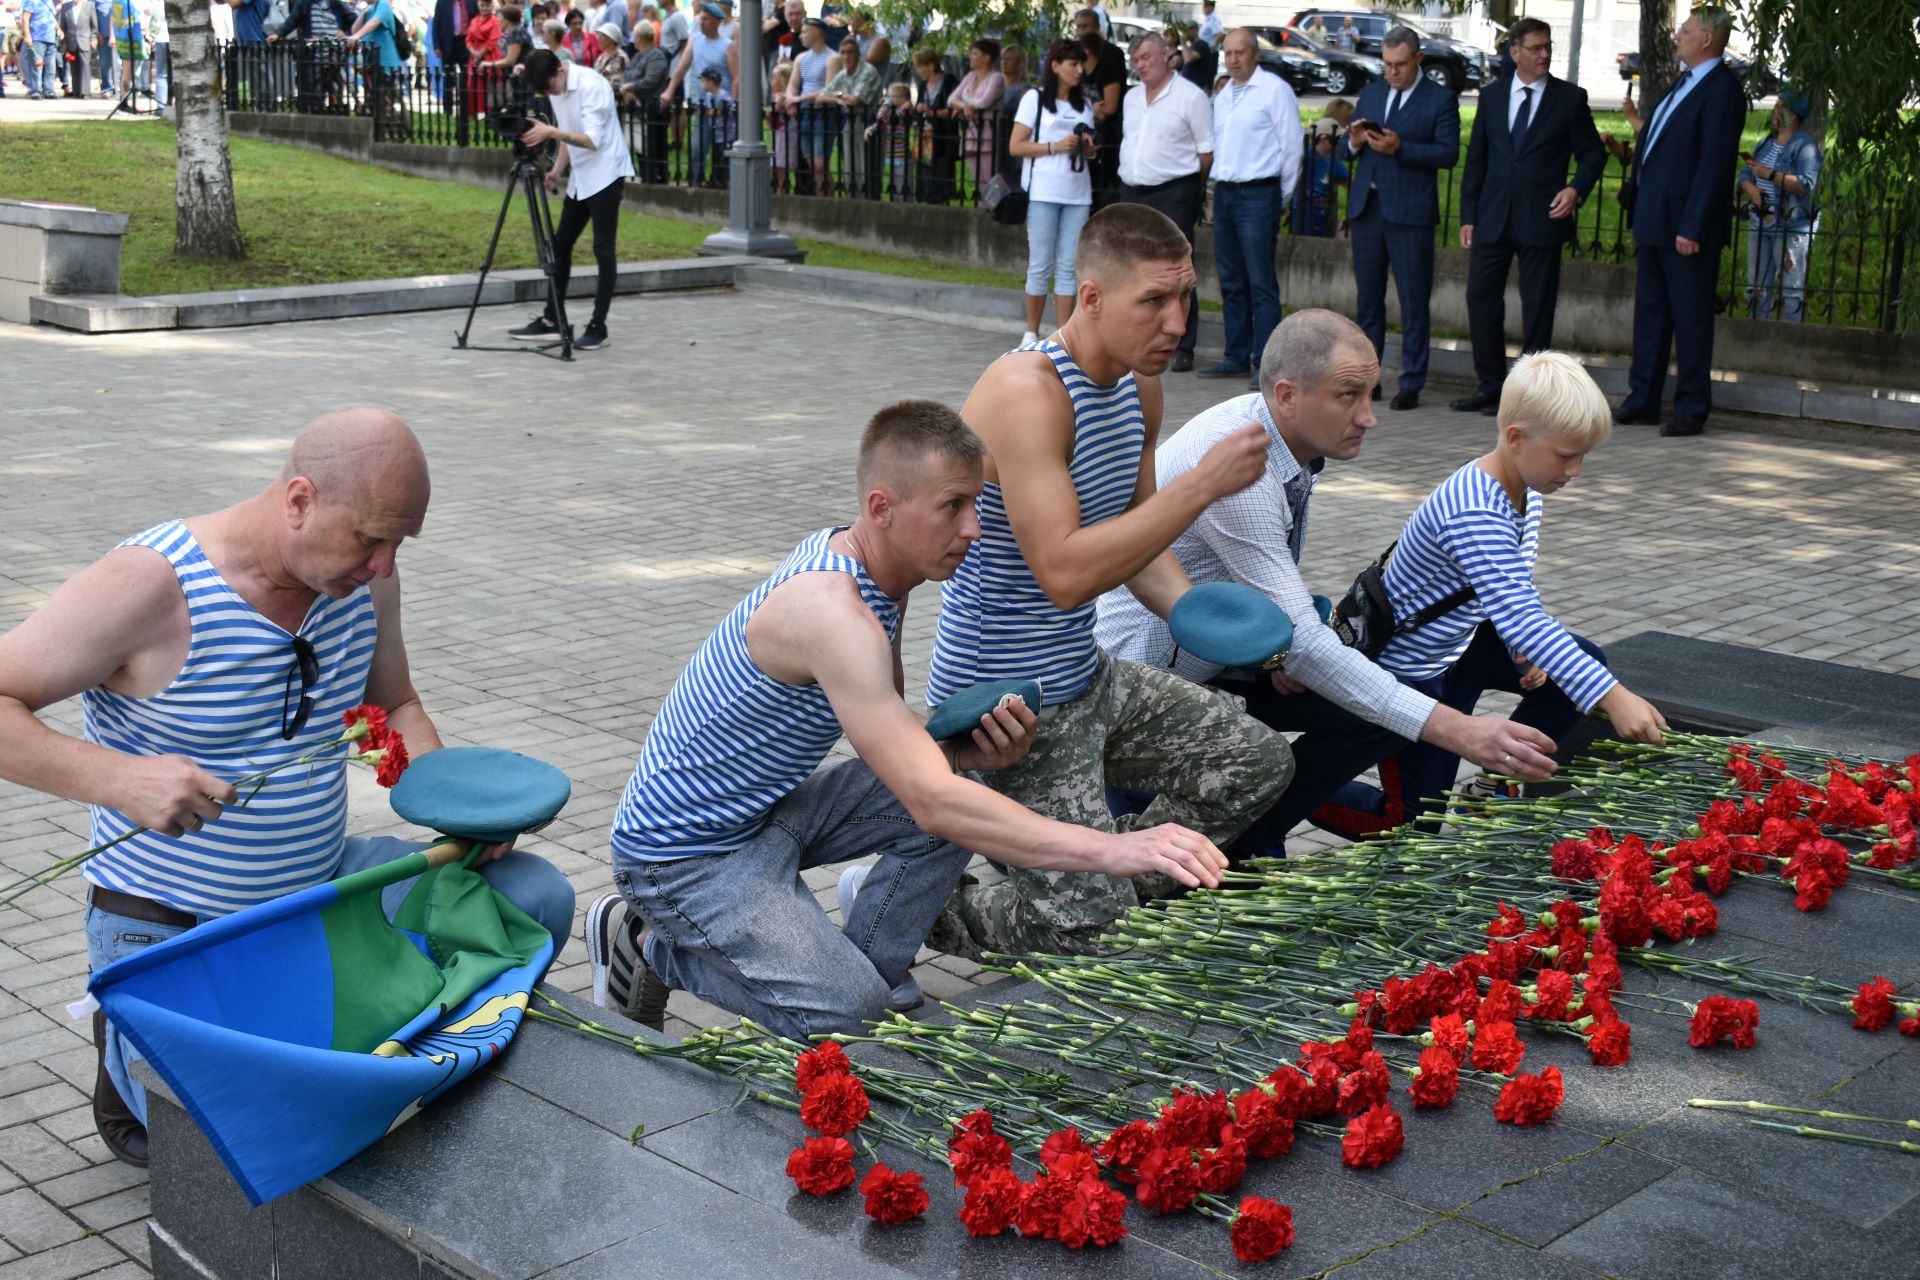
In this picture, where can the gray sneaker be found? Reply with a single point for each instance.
(613, 953)
(907, 996)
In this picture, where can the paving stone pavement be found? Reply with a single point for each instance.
(592, 522)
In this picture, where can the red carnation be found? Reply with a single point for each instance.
(1439, 1078)
(392, 757)
(1719, 1016)
(1126, 1147)
(1553, 993)
(1873, 1007)
(1910, 1026)
(1611, 1042)
(1257, 1118)
(1502, 1003)
(364, 722)
(1373, 1138)
(1194, 1119)
(993, 1201)
(825, 1059)
(1507, 922)
(972, 1154)
(1529, 1099)
(977, 1122)
(1066, 1142)
(1574, 860)
(1449, 1032)
(822, 1165)
(1496, 1048)
(1169, 1179)
(1222, 1168)
(1093, 1215)
(1260, 1229)
(1292, 1092)
(1042, 1203)
(835, 1105)
(893, 1198)
(1366, 1086)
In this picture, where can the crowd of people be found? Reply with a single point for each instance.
(80, 48)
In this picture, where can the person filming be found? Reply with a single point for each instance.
(595, 165)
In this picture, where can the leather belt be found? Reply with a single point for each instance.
(1250, 182)
(134, 907)
(1162, 186)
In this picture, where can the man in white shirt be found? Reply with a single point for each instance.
(595, 164)
(673, 29)
(1317, 371)
(1165, 150)
(1258, 146)
(1211, 28)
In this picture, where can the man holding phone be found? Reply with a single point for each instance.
(1395, 201)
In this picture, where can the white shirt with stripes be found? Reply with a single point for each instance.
(224, 712)
(1254, 537)
(996, 622)
(731, 741)
(1467, 532)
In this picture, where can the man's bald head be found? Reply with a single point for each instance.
(359, 458)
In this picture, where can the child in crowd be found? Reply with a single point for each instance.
(715, 127)
(783, 128)
(892, 124)
(1314, 213)
(1475, 538)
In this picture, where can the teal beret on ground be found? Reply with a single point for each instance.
(961, 713)
(1231, 624)
(479, 793)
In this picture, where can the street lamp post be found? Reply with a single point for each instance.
(749, 169)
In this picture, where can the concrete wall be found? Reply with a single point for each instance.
(46, 249)
(1595, 312)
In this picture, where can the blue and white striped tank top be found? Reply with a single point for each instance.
(995, 621)
(223, 711)
(730, 741)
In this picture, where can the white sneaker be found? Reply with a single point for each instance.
(1030, 337)
(907, 996)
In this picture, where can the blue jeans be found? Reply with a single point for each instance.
(1052, 232)
(742, 930)
(37, 64)
(1778, 254)
(1246, 235)
(524, 879)
(159, 72)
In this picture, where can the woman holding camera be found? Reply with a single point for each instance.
(1053, 134)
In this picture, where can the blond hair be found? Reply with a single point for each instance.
(1550, 394)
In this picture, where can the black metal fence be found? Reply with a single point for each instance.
(1846, 270)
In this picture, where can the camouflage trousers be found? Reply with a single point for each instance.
(1210, 765)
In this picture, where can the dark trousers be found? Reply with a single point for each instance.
(1377, 245)
(602, 208)
(1333, 746)
(1487, 302)
(1180, 200)
(1246, 235)
(1672, 309)
(1412, 781)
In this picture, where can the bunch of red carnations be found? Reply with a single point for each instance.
(833, 1102)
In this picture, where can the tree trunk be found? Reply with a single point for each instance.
(206, 224)
(1658, 65)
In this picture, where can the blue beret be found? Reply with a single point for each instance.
(479, 793)
(1323, 607)
(1798, 101)
(1231, 624)
(961, 713)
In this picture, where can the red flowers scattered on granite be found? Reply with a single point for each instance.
(1222, 1168)
(992, 1203)
(1720, 1016)
(835, 1105)
(1529, 1099)
(1125, 1148)
(1873, 1006)
(1439, 1078)
(1610, 1042)
(1261, 1229)
(1449, 1032)
(893, 1198)
(976, 1148)
(822, 1166)
(825, 1059)
(1373, 1138)
(1257, 1117)
(1496, 1048)
(1169, 1179)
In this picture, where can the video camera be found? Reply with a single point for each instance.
(513, 123)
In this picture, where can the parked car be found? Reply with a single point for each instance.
(1347, 73)
(1304, 70)
(1451, 63)
(1764, 84)
(1127, 30)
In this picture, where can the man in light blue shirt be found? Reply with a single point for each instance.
(1211, 29)
(36, 53)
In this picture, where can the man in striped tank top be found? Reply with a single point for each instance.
(729, 804)
(205, 649)
(1481, 530)
(1070, 510)
(1316, 372)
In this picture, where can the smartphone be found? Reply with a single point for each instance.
(1747, 156)
(1364, 126)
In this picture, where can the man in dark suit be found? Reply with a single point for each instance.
(1515, 200)
(1681, 191)
(1405, 129)
(448, 33)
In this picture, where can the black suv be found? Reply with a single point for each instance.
(1347, 73)
(1445, 61)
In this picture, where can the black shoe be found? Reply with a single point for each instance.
(1376, 391)
(1182, 362)
(1623, 418)
(538, 329)
(119, 1128)
(622, 979)
(592, 339)
(1405, 399)
(1684, 424)
(1224, 369)
(1478, 402)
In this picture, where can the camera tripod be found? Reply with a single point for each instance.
(529, 179)
(130, 100)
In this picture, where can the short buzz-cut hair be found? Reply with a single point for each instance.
(1717, 21)
(1402, 37)
(1123, 234)
(901, 438)
(1301, 347)
(1550, 395)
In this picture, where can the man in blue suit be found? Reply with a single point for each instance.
(1516, 201)
(1681, 189)
(1405, 129)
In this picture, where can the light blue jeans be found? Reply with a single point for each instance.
(36, 66)
(1052, 232)
(524, 879)
(1777, 255)
(742, 929)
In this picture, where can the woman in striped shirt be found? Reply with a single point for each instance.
(1481, 530)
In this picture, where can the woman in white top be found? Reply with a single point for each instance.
(1059, 189)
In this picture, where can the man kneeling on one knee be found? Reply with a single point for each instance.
(728, 805)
